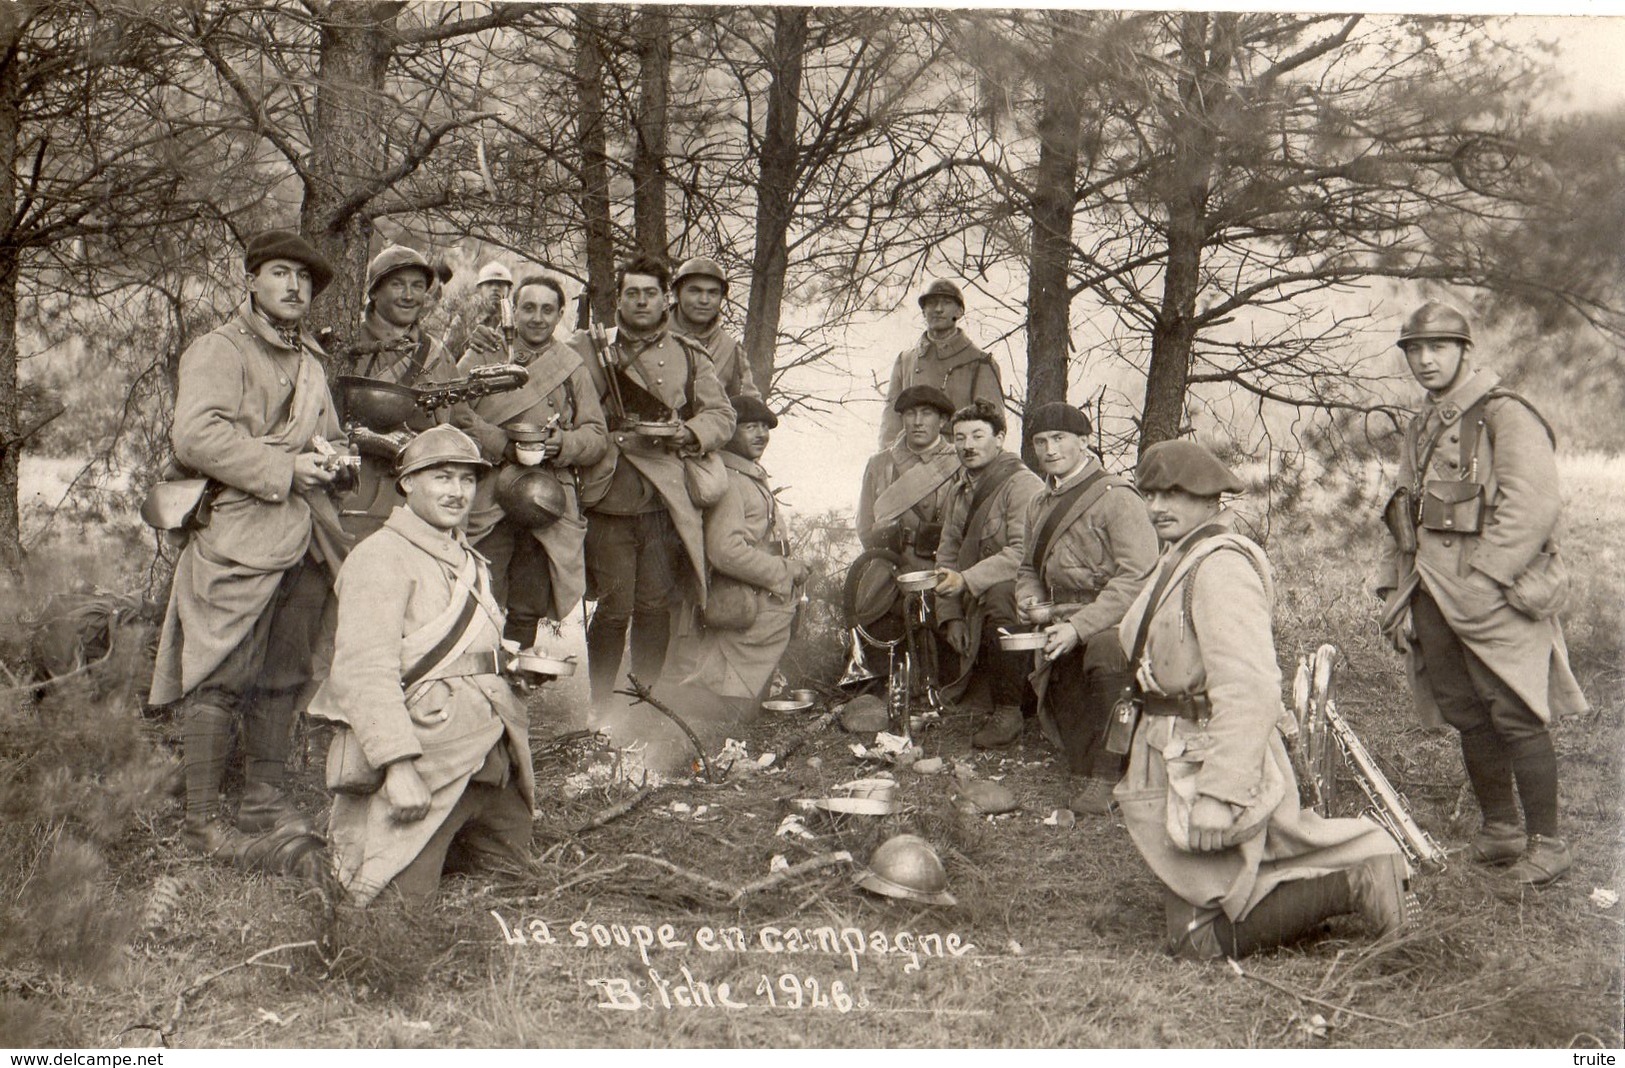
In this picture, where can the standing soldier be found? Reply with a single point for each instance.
(944, 359)
(1473, 585)
(431, 762)
(700, 289)
(977, 561)
(249, 589)
(730, 649)
(483, 328)
(1087, 550)
(668, 415)
(394, 348)
(527, 520)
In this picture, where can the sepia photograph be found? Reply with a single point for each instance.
(588, 525)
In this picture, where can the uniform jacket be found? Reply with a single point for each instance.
(887, 467)
(954, 365)
(559, 385)
(728, 358)
(663, 366)
(398, 594)
(1210, 633)
(738, 529)
(1468, 574)
(992, 553)
(246, 404)
(367, 506)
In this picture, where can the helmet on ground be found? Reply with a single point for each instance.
(1436, 319)
(396, 258)
(443, 444)
(699, 267)
(943, 288)
(906, 866)
(494, 272)
(531, 496)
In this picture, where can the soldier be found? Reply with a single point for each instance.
(527, 520)
(977, 561)
(250, 587)
(1473, 585)
(430, 763)
(645, 521)
(483, 328)
(1210, 798)
(393, 348)
(1087, 549)
(700, 288)
(730, 649)
(944, 359)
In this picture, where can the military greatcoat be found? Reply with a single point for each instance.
(728, 357)
(954, 365)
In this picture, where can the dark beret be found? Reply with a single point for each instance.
(930, 396)
(287, 245)
(1057, 416)
(1187, 466)
(751, 410)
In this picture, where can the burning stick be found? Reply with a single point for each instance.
(646, 696)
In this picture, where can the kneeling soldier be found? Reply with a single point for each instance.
(431, 761)
(977, 560)
(1087, 550)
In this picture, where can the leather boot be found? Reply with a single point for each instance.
(1497, 843)
(1095, 799)
(1292, 911)
(266, 808)
(1543, 863)
(1001, 728)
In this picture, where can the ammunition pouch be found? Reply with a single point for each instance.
(1453, 507)
(180, 504)
(926, 538)
(730, 604)
(1399, 516)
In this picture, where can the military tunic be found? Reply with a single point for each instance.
(911, 490)
(954, 365)
(728, 358)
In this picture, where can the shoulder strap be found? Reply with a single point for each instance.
(448, 641)
(981, 502)
(1190, 586)
(1057, 517)
(1161, 586)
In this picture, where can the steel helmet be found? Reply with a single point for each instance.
(494, 272)
(442, 444)
(1436, 319)
(531, 496)
(907, 866)
(943, 288)
(699, 267)
(396, 258)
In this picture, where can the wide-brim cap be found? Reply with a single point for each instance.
(1185, 465)
(930, 396)
(751, 410)
(1057, 415)
(288, 245)
(443, 444)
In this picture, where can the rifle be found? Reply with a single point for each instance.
(600, 349)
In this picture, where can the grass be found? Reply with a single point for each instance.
(1066, 922)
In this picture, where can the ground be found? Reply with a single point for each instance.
(1055, 939)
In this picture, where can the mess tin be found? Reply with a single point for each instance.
(538, 664)
(786, 706)
(1023, 641)
(916, 581)
(656, 430)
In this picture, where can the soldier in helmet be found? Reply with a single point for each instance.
(700, 288)
(944, 359)
(392, 347)
(1473, 584)
(528, 520)
(482, 328)
(430, 763)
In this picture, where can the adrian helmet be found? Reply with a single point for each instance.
(442, 444)
(494, 272)
(906, 866)
(699, 267)
(943, 288)
(1436, 319)
(392, 259)
(531, 496)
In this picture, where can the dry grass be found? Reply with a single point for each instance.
(1066, 923)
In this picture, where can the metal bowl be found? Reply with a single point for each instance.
(376, 404)
(855, 806)
(1042, 613)
(656, 430)
(786, 706)
(868, 789)
(916, 581)
(1022, 642)
(538, 664)
(809, 696)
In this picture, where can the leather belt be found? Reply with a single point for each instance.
(486, 663)
(1191, 706)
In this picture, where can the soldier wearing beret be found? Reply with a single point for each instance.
(1210, 798)
(250, 587)
(1473, 584)
(1087, 548)
(944, 359)
(430, 763)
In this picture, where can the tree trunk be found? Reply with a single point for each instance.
(1049, 305)
(775, 191)
(649, 154)
(591, 146)
(346, 150)
(11, 548)
(1194, 135)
